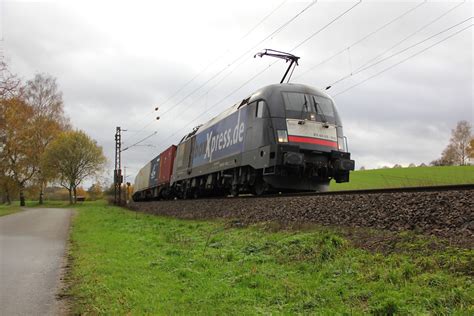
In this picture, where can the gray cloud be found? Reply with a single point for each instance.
(115, 63)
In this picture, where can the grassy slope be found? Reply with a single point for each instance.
(140, 264)
(402, 177)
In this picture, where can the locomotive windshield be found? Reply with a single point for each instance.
(301, 106)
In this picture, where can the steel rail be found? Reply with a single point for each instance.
(435, 188)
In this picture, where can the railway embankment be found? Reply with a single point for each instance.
(448, 214)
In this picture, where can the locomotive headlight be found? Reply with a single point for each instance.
(282, 136)
(341, 144)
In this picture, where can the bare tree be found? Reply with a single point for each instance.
(457, 151)
(460, 137)
(43, 95)
(449, 156)
(9, 83)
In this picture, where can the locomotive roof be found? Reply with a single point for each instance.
(267, 91)
(263, 93)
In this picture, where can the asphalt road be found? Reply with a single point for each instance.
(32, 246)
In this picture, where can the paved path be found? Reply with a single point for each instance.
(32, 245)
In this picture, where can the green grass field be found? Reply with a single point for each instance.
(136, 264)
(406, 177)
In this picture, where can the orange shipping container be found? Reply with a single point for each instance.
(166, 165)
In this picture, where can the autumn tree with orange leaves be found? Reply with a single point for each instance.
(470, 149)
(19, 155)
(8, 88)
(31, 117)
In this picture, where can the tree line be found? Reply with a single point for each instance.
(37, 142)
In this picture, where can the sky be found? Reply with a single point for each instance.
(401, 72)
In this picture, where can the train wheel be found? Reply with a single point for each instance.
(234, 191)
(185, 194)
(259, 187)
(322, 187)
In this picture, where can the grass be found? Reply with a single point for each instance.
(406, 177)
(50, 204)
(15, 206)
(8, 209)
(129, 263)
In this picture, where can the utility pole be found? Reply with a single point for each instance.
(118, 179)
(125, 187)
(128, 191)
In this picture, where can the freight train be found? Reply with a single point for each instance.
(284, 137)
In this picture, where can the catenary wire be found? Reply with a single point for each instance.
(142, 140)
(403, 60)
(263, 70)
(218, 58)
(301, 43)
(221, 100)
(397, 53)
(326, 26)
(207, 67)
(222, 55)
(278, 30)
(412, 34)
(362, 39)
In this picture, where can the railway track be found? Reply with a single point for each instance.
(445, 211)
(436, 188)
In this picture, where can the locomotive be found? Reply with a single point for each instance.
(284, 137)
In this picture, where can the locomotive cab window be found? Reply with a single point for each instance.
(261, 109)
(323, 106)
(305, 106)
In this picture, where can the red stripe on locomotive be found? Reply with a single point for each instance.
(309, 140)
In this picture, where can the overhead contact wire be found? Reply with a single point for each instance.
(279, 29)
(412, 34)
(326, 26)
(363, 38)
(398, 53)
(265, 69)
(403, 60)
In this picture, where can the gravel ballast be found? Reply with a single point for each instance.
(447, 214)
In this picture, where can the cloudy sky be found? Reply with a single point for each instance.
(411, 64)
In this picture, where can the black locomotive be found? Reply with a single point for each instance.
(284, 137)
